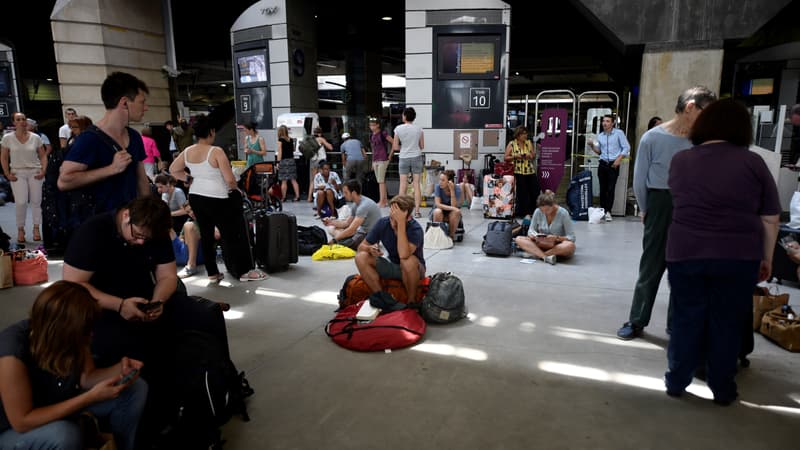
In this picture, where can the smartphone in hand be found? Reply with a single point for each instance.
(788, 242)
(127, 378)
(149, 305)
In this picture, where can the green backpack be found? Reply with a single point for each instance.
(309, 147)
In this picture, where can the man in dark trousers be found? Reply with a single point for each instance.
(611, 145)
(650, 175)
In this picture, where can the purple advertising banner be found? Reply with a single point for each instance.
(553, 149)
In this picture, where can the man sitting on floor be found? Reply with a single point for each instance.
(327, 185)
(402, 237)
(364, 214)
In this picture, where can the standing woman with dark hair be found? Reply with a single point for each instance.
(254, 146)
(522, 153)
(720, 244)
(47, 376)
(213, 205)
(24, 162)
(287, 168)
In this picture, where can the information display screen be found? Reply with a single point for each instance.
(468, 56)
(5, 82)
(252, 69)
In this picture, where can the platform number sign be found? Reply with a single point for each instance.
(480, 98)
(244, 102)
(3, 109)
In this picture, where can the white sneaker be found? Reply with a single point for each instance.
(608, 217)
(550, 259)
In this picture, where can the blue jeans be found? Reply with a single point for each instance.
(122, 412)
(711, 300)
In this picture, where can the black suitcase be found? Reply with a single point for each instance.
(237, 250)
(784, 268)
(275, 240)
(370, 188)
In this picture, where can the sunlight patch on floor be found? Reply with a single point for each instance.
(603, 338)
(527, 327)
(233, 314)
(324, 297)
(273, 293)
(450, 350)
(779, 409)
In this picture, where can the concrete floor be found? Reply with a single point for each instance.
(536, 365)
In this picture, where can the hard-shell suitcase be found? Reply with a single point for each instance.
(498, 197)
(275, 240)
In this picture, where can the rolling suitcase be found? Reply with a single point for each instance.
(370, 188)
(275, 240)
(237, 251)
(498, 197)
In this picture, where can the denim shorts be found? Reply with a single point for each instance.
(411, 165)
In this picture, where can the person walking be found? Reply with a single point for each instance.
(24, 162)
(654, 154)
(611, 145)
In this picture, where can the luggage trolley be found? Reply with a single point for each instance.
(259, 185)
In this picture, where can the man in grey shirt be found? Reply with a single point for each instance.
(365, 213)
(650, 174)
(353, 158)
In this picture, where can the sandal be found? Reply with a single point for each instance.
(215, 279)
(36, 235)
(21, 236)
(254, 275)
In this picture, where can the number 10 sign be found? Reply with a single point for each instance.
(480, 98)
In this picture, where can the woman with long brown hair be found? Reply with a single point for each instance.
(47, 376)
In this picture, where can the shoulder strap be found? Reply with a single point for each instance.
(108, 140)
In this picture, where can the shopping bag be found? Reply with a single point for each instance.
(781, 326)
(335, 251)
(765, 300)
(30, 267)
(596, 214)
(6, 270)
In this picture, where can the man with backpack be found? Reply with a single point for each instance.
(402, 237)
(107, 158)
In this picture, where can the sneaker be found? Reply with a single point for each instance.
(550, 259)
(629, 331)
(608, 217)
(187, 272)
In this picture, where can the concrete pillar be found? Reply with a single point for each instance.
(93, 38)
(667, 71)
(364, 89)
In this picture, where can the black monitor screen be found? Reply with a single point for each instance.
(5, 82)
(252, 69)
(468, 56)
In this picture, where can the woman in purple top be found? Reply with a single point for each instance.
(381, 155)
(720, 243)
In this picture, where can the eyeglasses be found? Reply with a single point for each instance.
(137, 236)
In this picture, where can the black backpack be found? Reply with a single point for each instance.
(208, 391)
(444, 302)
(310, 239)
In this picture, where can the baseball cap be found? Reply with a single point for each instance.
(345, 135)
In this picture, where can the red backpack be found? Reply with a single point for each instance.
(390, 330)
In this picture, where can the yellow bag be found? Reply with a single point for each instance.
(335, 251)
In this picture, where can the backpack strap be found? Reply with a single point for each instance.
(108, 140)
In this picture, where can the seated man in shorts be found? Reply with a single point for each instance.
(402, 237)
(327, 187)
(365, 214)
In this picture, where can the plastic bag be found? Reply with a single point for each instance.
(596, 214)
(335, 251)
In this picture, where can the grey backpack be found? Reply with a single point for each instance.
(497, 241)
(444, 302)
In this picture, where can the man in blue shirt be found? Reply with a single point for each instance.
(402, 237)
(353, 158)
(612, 146)
(107, 158)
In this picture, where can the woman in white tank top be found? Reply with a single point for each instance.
(212, 181)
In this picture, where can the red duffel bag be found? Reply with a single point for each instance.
(390, 330)
(30, 267)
